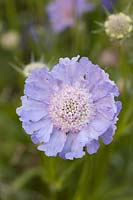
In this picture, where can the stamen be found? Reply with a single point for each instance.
(71, 108)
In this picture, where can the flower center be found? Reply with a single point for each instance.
(71, 108)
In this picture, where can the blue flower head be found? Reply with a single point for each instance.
(67, 110)
(63, 13)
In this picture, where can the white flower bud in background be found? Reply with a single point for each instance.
(10, 40)
(118, 26)
(33, 65)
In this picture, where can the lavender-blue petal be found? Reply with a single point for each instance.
(39, 85)
(35, 139)
(43, 135)
(32, 115)
(106, 107)
(107, 137)
(65, 70)
(77, 150)
(75, 154)
(67, 146)
(92, 146)
(32, 127)
(55, 144)
(100, 123)
(73, 147)
(119, 106)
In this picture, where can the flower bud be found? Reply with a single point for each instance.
(118, 26)
(10, 40)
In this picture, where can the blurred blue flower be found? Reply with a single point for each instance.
(68, 109)
(37, 32)
(33, 33)
(63, 13)
(108, 4)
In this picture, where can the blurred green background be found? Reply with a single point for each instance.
(28, 174)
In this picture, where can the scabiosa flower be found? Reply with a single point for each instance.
(118, 26)
(67, 110)
(63, 13)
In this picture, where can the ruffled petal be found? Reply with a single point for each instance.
(73, 147)
(103, 90)
(55, 144)
(35, 139)
(36, 92)
(119, 106)
(98, 126)
(32, 115)
(81, 70)
(67, 146)
(93, 146)
(106, 107)
(98, 83)
(84, 65)
(30, 104)
(59, 72)
(41, 76)
(68, 61)
(31, 110)
(39, 85)
(107, 137)
(32, 127)
(77, 153)
(43, 135)
(65, 70)
(76, 150)
(83, 136)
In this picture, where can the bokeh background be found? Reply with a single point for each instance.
(27, 174)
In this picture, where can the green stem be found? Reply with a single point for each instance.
(12, 18)
(79, 38)
(85, 180)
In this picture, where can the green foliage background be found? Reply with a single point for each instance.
(28, 174)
